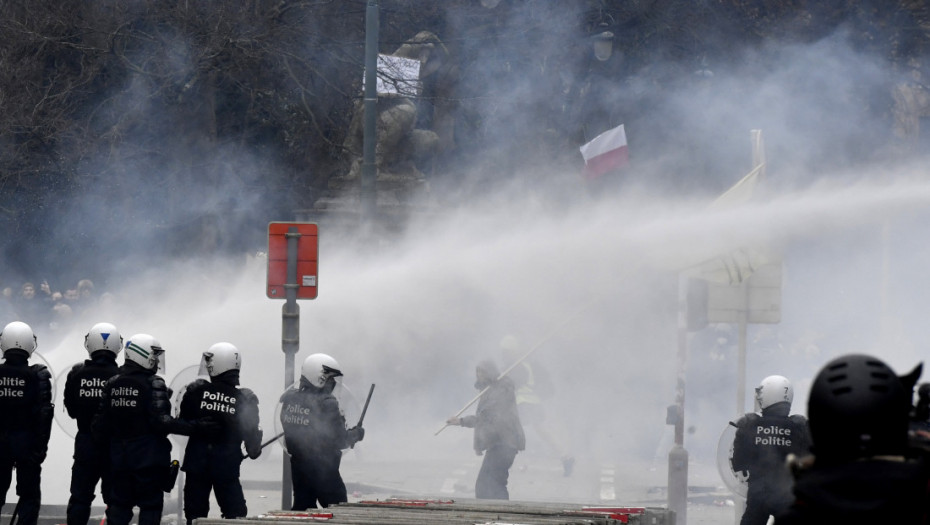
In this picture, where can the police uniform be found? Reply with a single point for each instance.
(26, 413)
(134, 418)
(212, 459)
(315, 434)
(83, 391)
(761, 446)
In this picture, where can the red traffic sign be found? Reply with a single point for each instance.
(307, 258)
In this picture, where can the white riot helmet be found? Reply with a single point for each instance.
(145, 350)
(219, 358)
(18, 335)
(103, 336)
(319, 368)
(774, 389)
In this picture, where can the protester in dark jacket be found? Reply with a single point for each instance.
(83, 391)
(25, 420)
(212, 462)
(498, 432)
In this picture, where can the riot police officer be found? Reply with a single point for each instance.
(761, 446)
(83, 391)
(26, 413)
(315, 434)
(212, 461)
(134, 417)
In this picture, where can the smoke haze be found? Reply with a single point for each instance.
(594, 288)
(587, 276)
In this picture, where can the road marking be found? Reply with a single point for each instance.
(607, 484)
(448, 485)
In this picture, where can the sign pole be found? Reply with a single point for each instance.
(678, 454)
(292, 274)
(370, 129)
(290, 342)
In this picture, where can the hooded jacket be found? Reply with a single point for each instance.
(496, 421)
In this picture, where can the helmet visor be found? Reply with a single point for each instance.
(206, 363)
(329, 372)
(158, 354)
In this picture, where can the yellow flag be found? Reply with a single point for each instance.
(737, 265)
(739, 193)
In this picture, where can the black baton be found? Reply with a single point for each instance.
(365, 408)
(265, 444)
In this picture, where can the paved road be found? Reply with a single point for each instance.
(369, 477)
(532, 479)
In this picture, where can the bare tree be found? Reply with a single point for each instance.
(195, 109)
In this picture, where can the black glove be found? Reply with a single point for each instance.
(253, 446)
(171, 475)
(354, 435)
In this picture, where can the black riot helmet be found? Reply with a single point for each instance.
(858, 407)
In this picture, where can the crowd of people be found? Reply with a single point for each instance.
(123, 414)
(47, 308)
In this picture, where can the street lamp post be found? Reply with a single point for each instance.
(370, 134)
(603, 43)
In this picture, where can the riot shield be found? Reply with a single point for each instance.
(348, 404)
(66, 422)
(177, 387)
(737, 482)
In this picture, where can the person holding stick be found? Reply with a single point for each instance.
(761, 445)
(498, 433)
(212, 460)
(315, 434)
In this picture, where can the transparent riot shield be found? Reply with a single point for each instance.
(348, 404)
(62, 418)
(737, 482)
(177, 387)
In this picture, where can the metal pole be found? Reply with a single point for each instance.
(885, 319)
(741, 360)
(742, 341)
(758, 163)
(370, 132)
(290, 342)
(678, 455)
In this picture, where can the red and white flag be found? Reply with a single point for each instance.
(605, 152)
